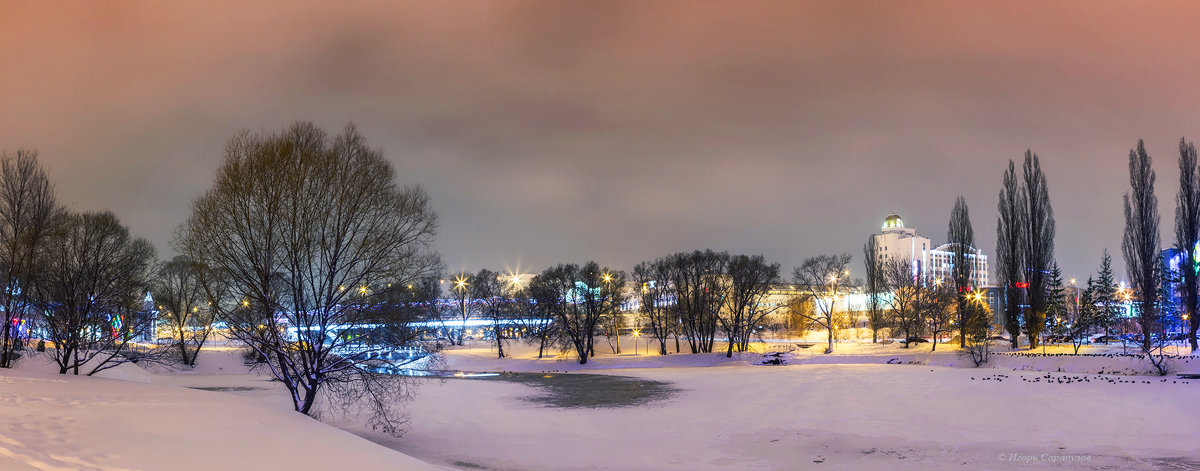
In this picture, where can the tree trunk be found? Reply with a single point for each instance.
(499, 341)
(1193, 323)
(62, 365)
(183, 351)
(310, 394)
(581, 349)
(8, 342)
(962, 322)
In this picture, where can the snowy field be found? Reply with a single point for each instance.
(851, 410)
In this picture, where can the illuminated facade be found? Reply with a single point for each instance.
(896, 242)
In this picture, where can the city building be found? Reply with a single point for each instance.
(896, 242)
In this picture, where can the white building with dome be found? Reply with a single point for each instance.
(897, 242)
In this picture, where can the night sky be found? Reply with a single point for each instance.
(550, 132)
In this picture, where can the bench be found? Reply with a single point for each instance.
(805, 345)
(1189, 375)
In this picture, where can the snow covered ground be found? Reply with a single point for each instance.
(850, 410)
(63, 423)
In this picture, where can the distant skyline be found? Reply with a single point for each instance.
(553, 132)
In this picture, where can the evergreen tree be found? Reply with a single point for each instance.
(1085, 316)
(1056, 305)
(1104, 295)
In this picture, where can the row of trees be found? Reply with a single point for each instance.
(695, 296)
(77, 278)
(1031, 282)
(1024, 249)
(1142, 248)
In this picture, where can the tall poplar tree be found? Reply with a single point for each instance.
(1141, 246)
(1009, 262)
(962, 241)
(1187, 234)
(874, 286)
(1038, 245)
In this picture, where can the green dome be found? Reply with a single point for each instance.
(892, 221)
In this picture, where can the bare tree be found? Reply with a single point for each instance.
(578, 299)
(905, 301)
(749, 280)
(873, 285)
(1038, 248)
(1141, 249)
(420, 299)
(92, 283)
(961, 237)
(535, 326)
(696, 278)
(656, 298)
(27, 212)
(181, 303)
(821, 278)
(495, 303)
(1010, 269)
(1187, 235)
(933, 306)
(310, 229)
